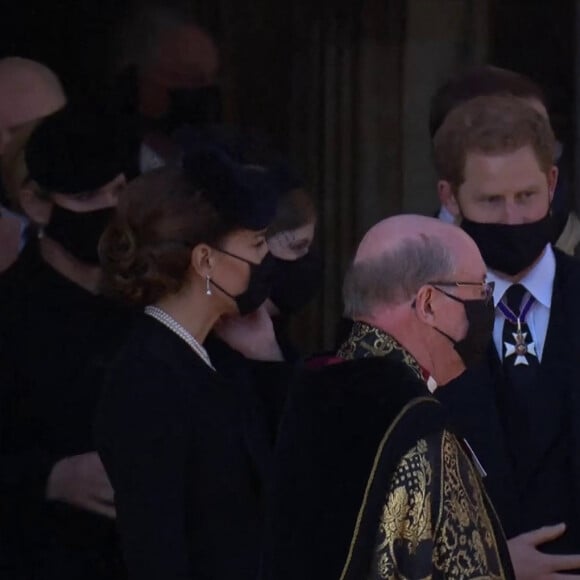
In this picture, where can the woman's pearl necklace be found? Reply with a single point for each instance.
(173, 325)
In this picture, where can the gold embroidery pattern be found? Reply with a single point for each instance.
(367, 341)
(432, 528)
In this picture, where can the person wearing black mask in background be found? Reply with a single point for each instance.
(290, 239)
(299, 267)
(186, 448)
(58, 335)
(519, 410)
(482, 81)
(168, 79)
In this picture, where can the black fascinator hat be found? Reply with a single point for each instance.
(78, 149)
(244, 194)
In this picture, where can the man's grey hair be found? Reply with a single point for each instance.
(396, 275)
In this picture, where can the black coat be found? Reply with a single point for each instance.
(332, 427)
(188, 455)
(56, 341)
(546, 488)
(343, 432)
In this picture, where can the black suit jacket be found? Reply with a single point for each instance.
(545, 489)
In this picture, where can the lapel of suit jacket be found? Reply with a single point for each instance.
(558, 369)
(472, 400)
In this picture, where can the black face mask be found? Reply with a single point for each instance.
(259, 285)
(480, 317)
(202, 106)
(510, 249)
(79, 232)
(296, 282)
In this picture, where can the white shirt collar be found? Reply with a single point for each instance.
(538, 281)
(445, 215)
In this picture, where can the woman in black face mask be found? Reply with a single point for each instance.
(298, 264)
(186, 449)
(76, 164)
(58, 335)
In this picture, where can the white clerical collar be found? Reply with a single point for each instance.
(538, 281)
(431, 384)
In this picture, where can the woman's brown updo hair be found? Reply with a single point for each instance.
(146, 250)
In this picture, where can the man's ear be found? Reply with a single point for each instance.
(552, 182)
(36, 208)
(114, 188)
(424, 305)
(119, 183)
(448, 198)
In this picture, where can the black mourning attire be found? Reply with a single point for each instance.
(56, 342)
(188, 453)
(533, 480)
(369, 484)
(270, 379)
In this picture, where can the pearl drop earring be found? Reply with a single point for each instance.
(207, 285)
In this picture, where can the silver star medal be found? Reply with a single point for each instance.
(520, 349)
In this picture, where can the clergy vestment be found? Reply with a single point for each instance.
(369, 483)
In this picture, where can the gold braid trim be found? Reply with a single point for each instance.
(371, 478)
(366, 341)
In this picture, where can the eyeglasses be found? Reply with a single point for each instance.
(486, 287)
